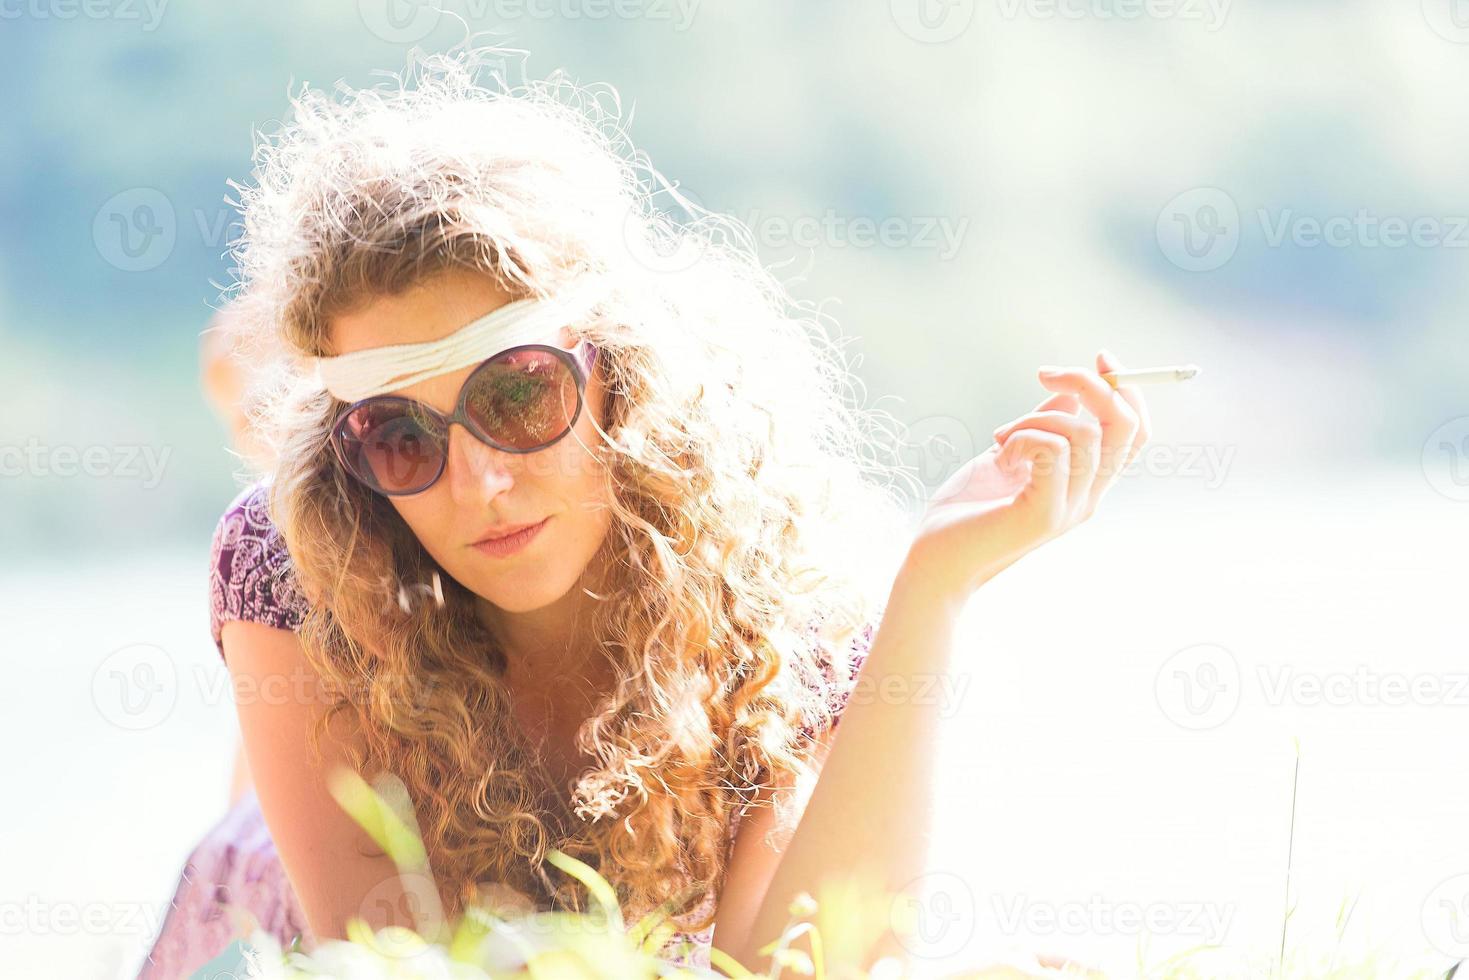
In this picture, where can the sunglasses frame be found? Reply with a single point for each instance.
(584, 350)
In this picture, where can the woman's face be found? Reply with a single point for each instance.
(482, 487)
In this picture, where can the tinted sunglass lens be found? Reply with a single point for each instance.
(523, 399)
(392, 447)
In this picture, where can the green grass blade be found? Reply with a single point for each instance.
(597, 886)
(380, 821)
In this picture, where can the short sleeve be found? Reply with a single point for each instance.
(250, 573)
(836, 691)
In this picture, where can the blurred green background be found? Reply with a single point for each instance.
(972, 189)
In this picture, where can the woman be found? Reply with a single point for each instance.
(562, 530)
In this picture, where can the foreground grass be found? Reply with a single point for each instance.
(566, 946)
(827, 937)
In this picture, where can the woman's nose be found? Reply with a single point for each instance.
(476, 471)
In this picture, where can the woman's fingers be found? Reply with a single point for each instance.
(1118, 420)
(1062, 401)
(1107, 361)
(1045, 496)
(1083, 436)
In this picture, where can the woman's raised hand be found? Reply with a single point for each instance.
(1046, 473)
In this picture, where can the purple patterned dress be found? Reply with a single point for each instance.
(235, 867)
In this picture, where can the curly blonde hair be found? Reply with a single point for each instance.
(747, 488)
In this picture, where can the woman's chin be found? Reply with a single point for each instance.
(521, 592)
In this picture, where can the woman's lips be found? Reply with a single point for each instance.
(511, 543)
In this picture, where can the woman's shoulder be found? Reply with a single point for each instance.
(250, 572)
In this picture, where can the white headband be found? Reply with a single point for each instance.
(378, 370)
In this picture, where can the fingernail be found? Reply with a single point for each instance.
(1050, 372)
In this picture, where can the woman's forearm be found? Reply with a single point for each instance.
(871, 810)
(240, 779)
(870, 813)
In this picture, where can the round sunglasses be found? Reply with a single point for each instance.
(522, 400)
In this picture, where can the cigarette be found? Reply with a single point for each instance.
(1151, 376)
